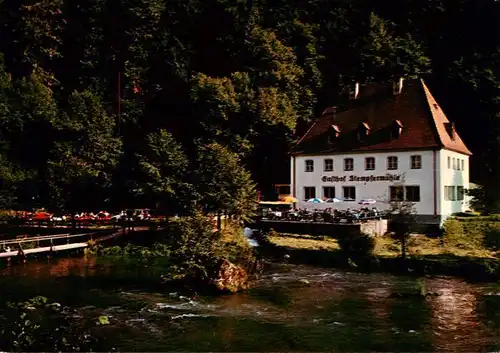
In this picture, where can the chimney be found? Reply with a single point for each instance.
(397, 87)
(450, 129)
(355, 93)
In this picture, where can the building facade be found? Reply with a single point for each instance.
(387, 143)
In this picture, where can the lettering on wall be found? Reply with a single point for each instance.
(370, 178)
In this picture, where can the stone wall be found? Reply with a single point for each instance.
(375, 227)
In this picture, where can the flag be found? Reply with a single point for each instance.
(137, 88)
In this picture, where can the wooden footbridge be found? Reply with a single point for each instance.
(53, 243)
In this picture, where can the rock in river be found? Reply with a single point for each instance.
(230, 277)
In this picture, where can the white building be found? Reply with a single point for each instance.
(386, 142)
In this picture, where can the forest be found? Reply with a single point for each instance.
(192, 104)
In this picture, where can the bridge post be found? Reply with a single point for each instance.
(51, 250)
(21, 253)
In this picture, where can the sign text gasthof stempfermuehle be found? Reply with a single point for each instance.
(369, 178)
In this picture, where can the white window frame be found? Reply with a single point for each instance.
(392, 163)
(450, 193)
(329, 188)
(402, 191)
(344, 188)
(305, 193)
(345, 164)
(367, 160)
(309, 163)
(325, 162)
(418, 158)
(406, 193)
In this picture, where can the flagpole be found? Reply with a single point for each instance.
(119, 97)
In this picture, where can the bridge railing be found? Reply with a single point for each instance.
(68, 236)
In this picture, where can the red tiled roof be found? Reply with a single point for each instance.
(424, 124)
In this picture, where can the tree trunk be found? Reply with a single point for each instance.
(219, 223)
(403, 247)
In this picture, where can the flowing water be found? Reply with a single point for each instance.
(291, 308)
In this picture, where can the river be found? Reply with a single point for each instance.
(291, 308)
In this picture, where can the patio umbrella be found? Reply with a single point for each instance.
(335, 200)
(315, 200)
(289, 199)
(367, 202)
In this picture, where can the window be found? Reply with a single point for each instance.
(392, 163)
(450, 193)
(412, 193)
(329, 192)
(408, 193)
(416, 162)
(348, 164)
(349, 193)
(370, 163)
(454, 193)
(462, 164)
(328, 165)
(454, 164)
(309, 165)
(309, 192)
(396, 193)
(449, 162)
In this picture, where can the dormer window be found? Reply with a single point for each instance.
(450, 129)
(333, 133)
(396, 129)
(363, 130)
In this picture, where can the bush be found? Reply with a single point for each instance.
(235, 246)
(466, 214)
(492, 238)
(453, 232)
(357, 246)
(463, 235)
(490, 218)
(39, 326)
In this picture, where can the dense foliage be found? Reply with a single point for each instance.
(37, 325)
(190, 250)
(187, 104)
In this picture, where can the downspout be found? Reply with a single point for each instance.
(434, 168)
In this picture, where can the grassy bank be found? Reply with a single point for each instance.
(468, 248)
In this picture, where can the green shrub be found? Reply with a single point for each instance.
(492, 238)
(357, 246)
(490, 218)
(453, 232)
(466, 214)
(39, 326)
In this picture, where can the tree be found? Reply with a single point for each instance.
(223, 183)
(83, 159)
(402, 218)
(162, 168)
(478, 199)
(385, 56)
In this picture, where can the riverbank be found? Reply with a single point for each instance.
(448, 255)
